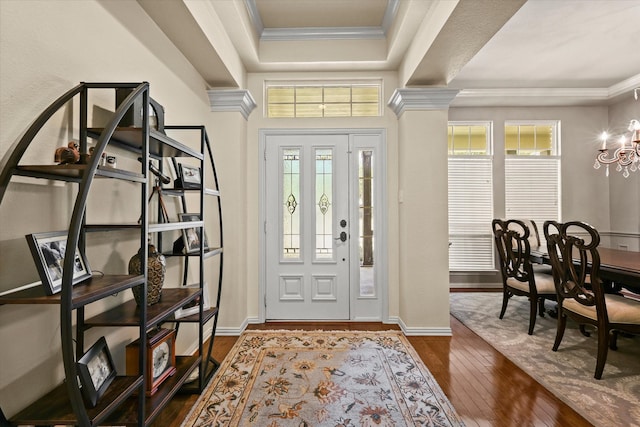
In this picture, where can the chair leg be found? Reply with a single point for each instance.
(583, 330)
(505, 301)
(613, 340)
(532, 314)
(562, 323)
(603, 349)
(541, 307)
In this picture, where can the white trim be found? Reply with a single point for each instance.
(322, 33)
(432, 98)
(239, 100)
(428, 332)
(262, 136)
(545, 96)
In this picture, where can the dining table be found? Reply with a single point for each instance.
(619, 267)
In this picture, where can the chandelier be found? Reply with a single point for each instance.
(627, 154)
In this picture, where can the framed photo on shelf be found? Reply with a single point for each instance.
(48, 251)
(188, 176)
(96, 371)
(190, 235)
(193, 306)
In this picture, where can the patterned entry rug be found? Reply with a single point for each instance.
(321, 378)
(568, 373)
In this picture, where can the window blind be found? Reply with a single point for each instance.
(532, 189)
(470, 213)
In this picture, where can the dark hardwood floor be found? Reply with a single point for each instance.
(485, 388)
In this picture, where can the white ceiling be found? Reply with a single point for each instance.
(498, 52)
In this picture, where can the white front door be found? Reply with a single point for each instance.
(307, 227)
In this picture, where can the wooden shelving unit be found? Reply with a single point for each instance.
(124, 402)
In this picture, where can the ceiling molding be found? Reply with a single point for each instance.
(322, 33)
(254, 15)
(421, 99)
(545, 96)
(234, 100)
(625, 86)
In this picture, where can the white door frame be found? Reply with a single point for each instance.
(381, 212)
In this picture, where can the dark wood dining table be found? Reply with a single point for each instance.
(622, 268)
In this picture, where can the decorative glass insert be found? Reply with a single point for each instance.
(335, 100)
(324, 200)
(530, 139)
(291, 203)
(366, 222)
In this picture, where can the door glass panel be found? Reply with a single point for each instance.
(324, 200)
(291, 204)
(366, 222)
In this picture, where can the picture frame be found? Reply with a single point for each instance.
(193, 307)
(96, 371)
(48, 251)
(188, 176)
(190, 236)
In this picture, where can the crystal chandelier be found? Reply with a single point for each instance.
(626, 156)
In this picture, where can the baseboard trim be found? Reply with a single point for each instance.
(425, 332)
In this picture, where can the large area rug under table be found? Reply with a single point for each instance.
(322, 378)
(567, 373)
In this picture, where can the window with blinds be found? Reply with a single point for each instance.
(532, 172)
(323, 100)
(470, 197)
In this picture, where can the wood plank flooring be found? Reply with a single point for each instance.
(485, 388)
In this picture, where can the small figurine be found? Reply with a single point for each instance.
(68, 154)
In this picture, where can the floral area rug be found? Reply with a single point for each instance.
(567, 373)
(322, 378)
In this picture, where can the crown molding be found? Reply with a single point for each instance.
(545, 96)
(232, 100)
(421, 99)
(322, 33)
(625, 86)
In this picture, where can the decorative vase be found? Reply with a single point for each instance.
(156, 268)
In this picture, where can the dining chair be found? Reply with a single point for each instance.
(573, 251)
(519, 277)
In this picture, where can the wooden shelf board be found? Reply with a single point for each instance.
(75, 172)
(160, 145)
(128, 313)
(91, 290)
(55, 406)
(126, 414)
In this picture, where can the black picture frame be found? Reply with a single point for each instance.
(189, 177)
(48, 251)
(190, 236)
(96, 371)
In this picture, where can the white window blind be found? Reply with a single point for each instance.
(532, 189)
(470, 213)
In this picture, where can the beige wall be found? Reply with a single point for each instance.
(422, 171)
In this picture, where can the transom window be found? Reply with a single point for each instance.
(468, 139)
(323, 100)
(530, 139)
